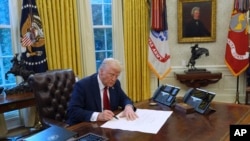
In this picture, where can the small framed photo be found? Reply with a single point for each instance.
(196, 21)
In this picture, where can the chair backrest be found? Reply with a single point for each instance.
(52, 90)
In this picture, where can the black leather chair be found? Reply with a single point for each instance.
(52, 90)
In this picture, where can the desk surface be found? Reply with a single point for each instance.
(16, 101)
(179, 126)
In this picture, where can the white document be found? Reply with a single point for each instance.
(149, 121)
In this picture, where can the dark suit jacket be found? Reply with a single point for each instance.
(195, 28)
(86, 99)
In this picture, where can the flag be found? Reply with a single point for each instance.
(32, 38)
(236, 55)
(26, 41)
(158, 49)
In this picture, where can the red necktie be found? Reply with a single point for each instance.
(106, 104)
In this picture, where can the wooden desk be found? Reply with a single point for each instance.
(16, 101)
(180, 126)
(199, 79)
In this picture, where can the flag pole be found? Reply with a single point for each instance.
(158, 82)
(237, 92)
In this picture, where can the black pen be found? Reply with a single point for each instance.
(115, 117)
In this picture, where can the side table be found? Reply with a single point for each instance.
(198, 79)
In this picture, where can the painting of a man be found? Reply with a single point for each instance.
(195, 27)
(196, 21)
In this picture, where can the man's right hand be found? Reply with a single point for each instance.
(105, 115)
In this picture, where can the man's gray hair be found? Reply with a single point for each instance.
(111, 61)
(194, 9)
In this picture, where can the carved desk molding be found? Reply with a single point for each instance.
(198, 79)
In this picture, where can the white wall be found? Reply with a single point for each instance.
(225, 89)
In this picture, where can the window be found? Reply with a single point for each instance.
(7, 41)
(102, 24)
(6, 53)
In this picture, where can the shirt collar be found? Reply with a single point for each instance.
(101, 86)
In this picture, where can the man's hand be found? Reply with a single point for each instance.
(105, 115)
(129, 113)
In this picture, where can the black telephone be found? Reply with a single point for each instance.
(199, 99)
(166, 94)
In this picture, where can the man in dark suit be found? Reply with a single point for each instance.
(86, 103)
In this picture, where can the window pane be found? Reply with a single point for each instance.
(96, 1)
(97, 14)
(107, 1)
(5, 42)
(100, 56)
(4, 12)
(110, 54)
(109, 38)
(99, 39)
(107, 14)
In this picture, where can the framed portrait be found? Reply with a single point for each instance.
(196, 21)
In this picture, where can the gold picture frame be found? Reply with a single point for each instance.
(187, 32)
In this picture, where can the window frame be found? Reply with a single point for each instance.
(106, 51)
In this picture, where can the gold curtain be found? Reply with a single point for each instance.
(136, 33)
(60, 25)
